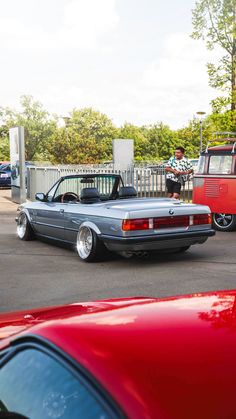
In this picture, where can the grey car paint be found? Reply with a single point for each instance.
(49, 219)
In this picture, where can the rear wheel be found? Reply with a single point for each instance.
(89, 247)
(224, 222)
(24, 229)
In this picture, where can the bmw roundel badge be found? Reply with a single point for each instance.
(171, 212)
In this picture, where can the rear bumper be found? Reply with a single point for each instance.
(162, 241)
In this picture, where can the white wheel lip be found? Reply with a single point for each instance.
(21, 226)
(223, 216)
(84, 243)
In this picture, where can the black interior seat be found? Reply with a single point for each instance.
(127, 192)
(89, 196)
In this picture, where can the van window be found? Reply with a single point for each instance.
(201, 165)
(220, 165)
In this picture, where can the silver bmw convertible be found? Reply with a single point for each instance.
(96, 213)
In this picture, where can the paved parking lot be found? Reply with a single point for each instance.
(38, 274)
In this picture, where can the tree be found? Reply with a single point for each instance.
(4, 149)
(38, 127)
(86, 138)
(141, 144)
(215, 22)
(4, 142)
(36, 122)
(91, 124)
(162, 141)
(67, 147)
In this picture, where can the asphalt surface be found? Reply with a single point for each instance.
(36, 273)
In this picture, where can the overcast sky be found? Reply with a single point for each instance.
(131, 59)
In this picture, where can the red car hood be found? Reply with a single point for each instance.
(168, 358)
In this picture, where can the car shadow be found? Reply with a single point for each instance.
(142, 258)
(158, 257)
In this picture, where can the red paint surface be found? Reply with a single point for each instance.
(170, 358)
(218, 193)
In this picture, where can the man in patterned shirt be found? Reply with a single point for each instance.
(178, 168)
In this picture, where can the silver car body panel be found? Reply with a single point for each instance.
(61, 221)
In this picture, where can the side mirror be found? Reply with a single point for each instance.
(40, 197)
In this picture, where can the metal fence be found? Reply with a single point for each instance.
(147, 182)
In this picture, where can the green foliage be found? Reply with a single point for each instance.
(223, 121)
(92, 124)
(86, 138)
(190, 138)
(220, 104)
(215, 22)
(38, 127)
(4, 149)
(35, 120)
(141, 144)
(162, 141)
(88, 134)
(68, 147)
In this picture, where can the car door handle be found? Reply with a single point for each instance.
(62, 211)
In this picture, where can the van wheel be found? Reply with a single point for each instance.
(88, 245)
(24, 229)
(224, 222)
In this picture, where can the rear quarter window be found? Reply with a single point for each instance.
(38, 386)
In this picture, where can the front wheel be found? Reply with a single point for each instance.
(24, 229)
(88, 245)
(224, 222)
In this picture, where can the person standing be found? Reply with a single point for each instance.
(178, 168)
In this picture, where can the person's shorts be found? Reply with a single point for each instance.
(172, 186)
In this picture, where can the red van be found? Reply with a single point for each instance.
(215, 182)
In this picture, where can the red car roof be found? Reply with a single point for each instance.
(170, 358)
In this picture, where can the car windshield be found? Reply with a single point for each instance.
(106, 186)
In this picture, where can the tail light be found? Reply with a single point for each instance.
(155, 223)
(202, 219)
(136, 224)
(166, 222)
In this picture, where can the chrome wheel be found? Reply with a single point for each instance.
(84, 242)
(22, 226)
(223, 221)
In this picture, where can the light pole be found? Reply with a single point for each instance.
(200, 113)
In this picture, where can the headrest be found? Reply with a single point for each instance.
(89, 195)
(127, 192)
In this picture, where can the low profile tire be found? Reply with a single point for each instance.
(24, 229)
(88, 245)
(224, 222)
